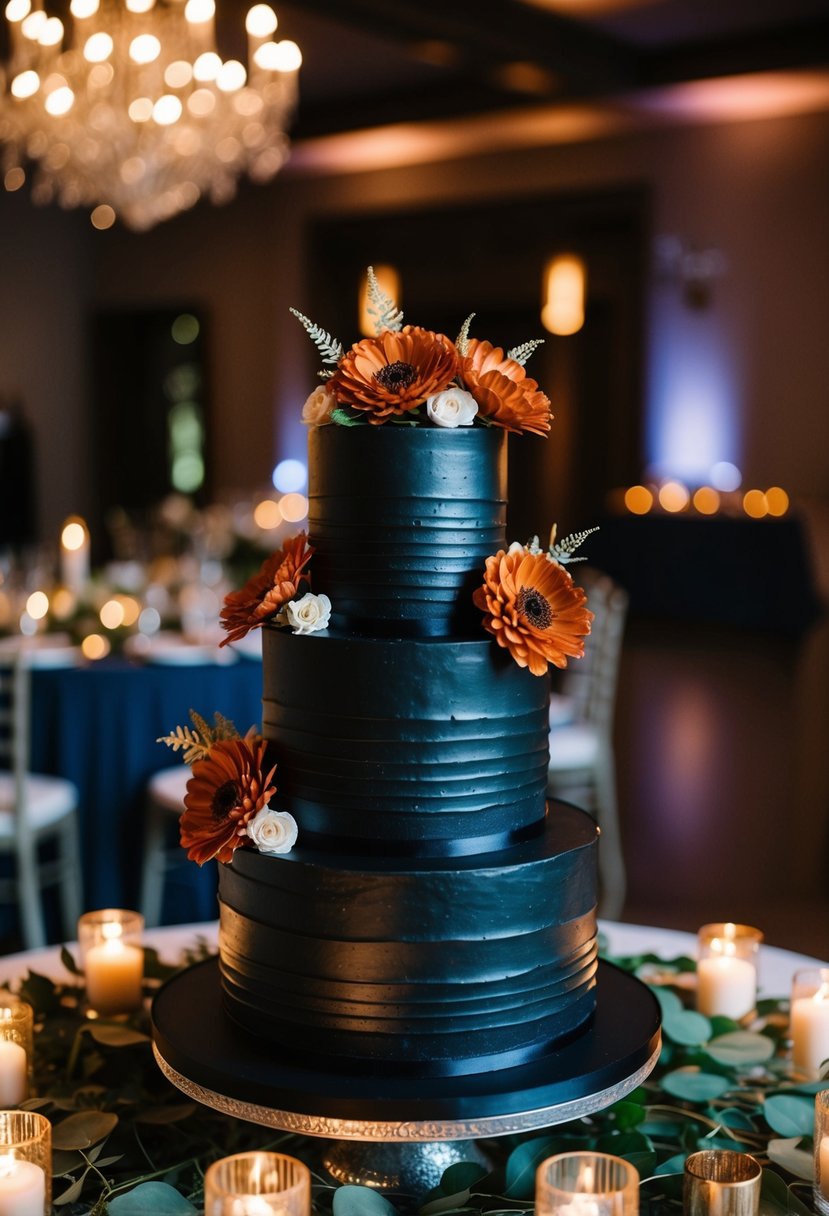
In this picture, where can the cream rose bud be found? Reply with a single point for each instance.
(453, 407)
(307, 615)
(273, 831)
(317, 409)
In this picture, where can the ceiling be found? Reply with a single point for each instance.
(374, 63)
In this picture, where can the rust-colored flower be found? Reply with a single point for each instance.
(505, 394)
(225, 791)
(533, 609)
(393, 372)
(265, 593)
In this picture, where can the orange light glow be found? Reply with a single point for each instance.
(565, 279)
(706, 500)
(777, 501)
(673, 496)
(267, 515)
(294, 507)
(94, 646)
(638, 500)
(754, 504)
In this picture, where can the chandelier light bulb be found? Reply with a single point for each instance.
(33, 24)
(51, 33)
(167, 110)
(207, 67)
(290, 56)
(231, 76)
(260, 21)
(16, 10)
(139, 6)
(145, 48)
(81, 9)
(98, 47)
(59, 102)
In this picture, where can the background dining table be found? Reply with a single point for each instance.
(98, 725)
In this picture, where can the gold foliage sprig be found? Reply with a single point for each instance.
(195, 743)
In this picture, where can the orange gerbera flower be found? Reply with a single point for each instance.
(225, 791)
(393, 373)
(505, 394)
(533, 609)
(265, 593)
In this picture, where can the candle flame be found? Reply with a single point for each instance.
(725, 947)
(822, 993)
(585, 1179)
(111, 930)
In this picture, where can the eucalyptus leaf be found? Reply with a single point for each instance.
(687, 1027)
(790, 1114)
(172, 1113)
(740, 1047)
(68, 960)
(693, 1086)
(736, 1119)
(778, 1199)
(83, 1130)
(462, 1176)
(72, 1192)
(151, 1199)
(358, 1201)
(445, 1203)
(524, 1160)
(116, 1036)
(788, 1154)
(628, 1115)
(674, 1165)
(669, 1001)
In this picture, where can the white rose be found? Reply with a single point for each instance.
(317, 409)
(453, 407)
(273, 831)
(307, 615)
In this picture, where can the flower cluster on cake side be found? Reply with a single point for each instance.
(528, 599)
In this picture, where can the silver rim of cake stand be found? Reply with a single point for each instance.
(410, 1130)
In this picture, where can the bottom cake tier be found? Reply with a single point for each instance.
(430, 967)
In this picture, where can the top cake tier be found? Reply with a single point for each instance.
(402, 520)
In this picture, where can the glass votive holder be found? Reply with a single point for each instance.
(112, 959)
(16, 1042)
(586, 1184)
(25, 1163)
(257, 1184)
(721, 1183)
(727, 969)
(821, 1187)
(809, 1020)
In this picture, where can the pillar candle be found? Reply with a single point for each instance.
(14, 1073)
(726, 986)
(114, 973)
(809, 1027)
(22, 1188)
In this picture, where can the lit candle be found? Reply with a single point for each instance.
(22, 1187)
(74, 554)
(14, 1073)
(726, 970)
(114, 973)
(809, 1028)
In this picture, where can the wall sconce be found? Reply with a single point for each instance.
(388, 280)
(694, 270)
(563, 295)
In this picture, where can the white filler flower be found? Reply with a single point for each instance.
(273, 831)
(307, 615)
(453, 407)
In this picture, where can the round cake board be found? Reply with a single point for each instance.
(200, 1051)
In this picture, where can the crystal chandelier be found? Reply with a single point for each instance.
(134, 113)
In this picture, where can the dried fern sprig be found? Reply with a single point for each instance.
(195, 744)
(381, 307)
(562, 552)
(520, 354)
(462, 340)
(331, 351)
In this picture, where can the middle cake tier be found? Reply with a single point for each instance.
(403, 746)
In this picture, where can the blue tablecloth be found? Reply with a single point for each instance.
(98, 725)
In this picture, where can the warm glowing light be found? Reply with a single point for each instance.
(74, 534)
(207, 66)
(131, 609)
(196, 11)
(267, 515)
(139, 6)
(167, 110)
(102, 217)
(178, 74)
(141, 110)
(144, 48)
(37, 605)
(777, 501)
(706, 500)
(231, 76)
(81, 9)
(14, 179)
(754, 504)
(282, 56)
(638, 500)
(95, 646)
(289, 475)
(388, 280)
(673, 496)
(33, 24)
(112, 614)
(26, 84)
(260, 21)
(51, 32)
(565, 279)
(98, 47)
(16, 10)
(63, 603)
(59, 101)
(294, 507)
(201, 103)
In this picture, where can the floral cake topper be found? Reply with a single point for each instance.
(406, 374)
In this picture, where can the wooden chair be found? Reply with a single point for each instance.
(38, 818)
(165, 799)
(582, 761)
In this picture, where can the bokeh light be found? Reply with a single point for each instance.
(289, 475)
(673, 496)
(37, 605)
(754, 504)
(294, 507)
(777, 501)
(706, 500)
(95, 646)
(638, 500)
(267, 515)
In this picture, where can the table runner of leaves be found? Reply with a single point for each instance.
(127, 1143)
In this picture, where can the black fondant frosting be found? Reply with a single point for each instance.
(437, 916)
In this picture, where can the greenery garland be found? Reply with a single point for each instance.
(128, 1143)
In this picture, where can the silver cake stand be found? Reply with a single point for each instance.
(395, 1133)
